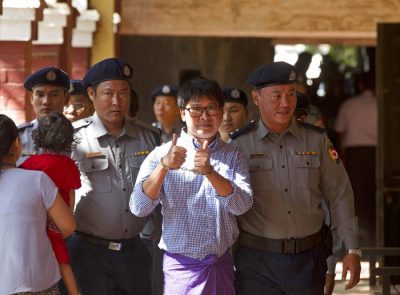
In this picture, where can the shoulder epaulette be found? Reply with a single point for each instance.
(25, 125)
(243, 130)
(314, 127)
(155, 130)
(82, 123)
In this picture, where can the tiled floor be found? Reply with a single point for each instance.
(362, 287)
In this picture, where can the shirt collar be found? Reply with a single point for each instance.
(262, 131)
(192, 142)
(101, 130)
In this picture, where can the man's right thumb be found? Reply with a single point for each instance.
(174, 139)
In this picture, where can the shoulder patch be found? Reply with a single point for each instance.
(314, 127)
(25, 125)
(245, 129)
(82, 123)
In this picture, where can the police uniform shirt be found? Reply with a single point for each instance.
(25, 136)
(165, 137)
(109, 167)
(290, 174)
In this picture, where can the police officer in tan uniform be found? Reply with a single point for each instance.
(48, 92)
(108, 256)
(293, 166)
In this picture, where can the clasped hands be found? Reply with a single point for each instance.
(176, 156)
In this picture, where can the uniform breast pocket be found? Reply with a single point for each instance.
(134, 163)
(307, 171)
(261, 173)
(96, 175)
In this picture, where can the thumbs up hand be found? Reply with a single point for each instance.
(202, 159)
(176, 155)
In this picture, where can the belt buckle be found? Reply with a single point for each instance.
(289, 246)
(114, 246)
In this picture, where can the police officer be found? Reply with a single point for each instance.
(48, 92)
(235, 111)
(79, 106)
(293, 166)
(108, 256)
(166, 111)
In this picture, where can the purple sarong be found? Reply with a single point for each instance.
(188, 276)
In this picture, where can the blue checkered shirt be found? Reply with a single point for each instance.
(196, 221)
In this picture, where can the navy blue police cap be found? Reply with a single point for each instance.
(164, 90)
(76, 88)
(276, 73)
(47, 76)
(235, 95)
(108, 69)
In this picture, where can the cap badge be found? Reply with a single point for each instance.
(127, 70)
(292, 76)
(51, 76)
(235, 93)
(166, 89)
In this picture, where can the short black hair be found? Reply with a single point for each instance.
(8, 134)
(199, 87)
(54, 134)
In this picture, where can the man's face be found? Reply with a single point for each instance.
(235, 115)
(79, 106)
(166, 109)
(276, 104)
(204, 126)
(111, 101)
(48, 98)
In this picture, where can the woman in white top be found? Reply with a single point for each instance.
(26, 198)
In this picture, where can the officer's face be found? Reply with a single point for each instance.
(79, 106)
(111, 101)
(234, 117)
(48, 98)
(165, 109)
(204, 126)
(276, 104)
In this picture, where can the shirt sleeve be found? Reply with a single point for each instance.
(241, 199)
(337, 191)
(140, 204)
(49, 190)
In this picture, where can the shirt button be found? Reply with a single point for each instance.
(283, 166)
(281, 146)
(126, 230)
(117, 146)
(126, 210)
(286, 190)
(120, 166)
(308, 163)
(289, 212)
(124, 189)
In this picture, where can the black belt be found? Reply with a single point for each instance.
(290, 246)
(116, 245)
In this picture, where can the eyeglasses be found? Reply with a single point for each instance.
(212, 110)
(75, 106)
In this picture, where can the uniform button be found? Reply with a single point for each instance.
(124, 189)
(286, 190)
(120, 166)
(93, 167)
(126, 210)
(283, 166)
(308, 163)
(281, 146)
(126, 230)
(117, 145)
(289, 212)
(258, 166)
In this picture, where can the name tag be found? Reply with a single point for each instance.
(141, 153)
(306, 153)
(94, 155)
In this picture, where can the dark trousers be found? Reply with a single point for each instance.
(100, 271)
(360, 166)
(264, 272)
(157, 274)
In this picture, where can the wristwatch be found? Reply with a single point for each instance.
(357, 252)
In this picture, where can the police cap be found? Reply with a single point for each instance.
(276, 73)
(47, 76)
(235, 95)
(108, 69)
(76, 88)
(164, 90)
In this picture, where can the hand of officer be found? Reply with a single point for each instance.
(351, 262)
(329, 283)
(202, 159)
(176, 155)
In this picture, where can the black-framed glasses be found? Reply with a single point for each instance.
(212, 110)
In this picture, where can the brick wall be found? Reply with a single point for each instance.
(14, 65)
